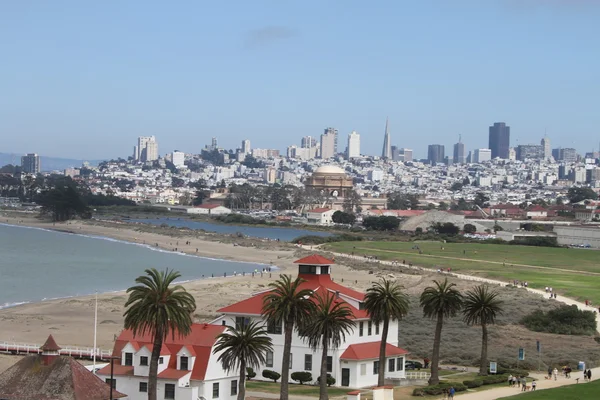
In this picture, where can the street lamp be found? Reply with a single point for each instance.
(112, 380)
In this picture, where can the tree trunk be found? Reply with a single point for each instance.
(153, 372)
(288, 327)
(323, 380)
(484, 340)
(435, 357)
(382, 345)
(242, 384)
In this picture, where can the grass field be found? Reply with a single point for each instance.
(572, 272)
(299, 390)
(581, 391)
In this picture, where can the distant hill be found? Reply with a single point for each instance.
(47, 163)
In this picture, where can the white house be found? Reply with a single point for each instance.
(209, 209)
(320, 216)
(187, 368)
(355, 363)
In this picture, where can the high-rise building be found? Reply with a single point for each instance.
(329, 143)
(499, 140)
(178, 158)
(395, 153)
(386, 152)
(308, 142)
(481, 155)
(246, 146)
(213, 144)
(530, 151)
(406, 155)
(30, 163)
(459, 152)
(146, 149)
(435, 153)
(547, 149)
(568, 155)
(353, 149)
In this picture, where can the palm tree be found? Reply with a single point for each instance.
(327, 327)
(243, 347)
(481, 307)
(385, 300)
(289, 305)
(156, 309)
(440, 301)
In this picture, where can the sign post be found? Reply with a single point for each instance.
(493, 367)
(521, 356)
(538, 346)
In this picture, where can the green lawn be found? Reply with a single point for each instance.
(573, 272)
(300, 390)
(581, 391)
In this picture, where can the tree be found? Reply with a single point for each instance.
(383, 223)
(446, 228)
(469, 228)
(443, 206)
(177, 182)
(243, 347)
(481, 200)
(402, 201)
(340, 217)
(62, 203)
(155, 308)
(456, 187)
(288, 304)
(461, 205)
(352, 202)
(326, 328)
(577, 194)
(481, 307)
(440, 301)
(384, 301)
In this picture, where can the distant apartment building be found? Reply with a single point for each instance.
(265, 153)
(435, 154)
(459, 153)
(246, 146)
(353, 149)
(30, 163)
(308, 141)
(481, 155)
(329, 143)
(406, 155)
(530, 152)
(301, 153)
(568, 155)
(178, 158)
(545, 143)
(146, 149)
(499, 140)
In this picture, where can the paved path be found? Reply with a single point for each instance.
(542, 293)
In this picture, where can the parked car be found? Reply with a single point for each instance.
(413, 365)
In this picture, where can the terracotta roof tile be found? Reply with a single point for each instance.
(369, 351)
(314, 259)
(50, 345)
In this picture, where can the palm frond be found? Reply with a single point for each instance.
(248, 343)
(331, 319)
(441, 299)
(385, 300)
(481, 306)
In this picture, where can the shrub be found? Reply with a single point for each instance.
(436, 390)
(267, 373)
(301, 377)
(330, 380)
(250, 373)
(565, 320)
(469, 228)
(316, 240)
(473, 384)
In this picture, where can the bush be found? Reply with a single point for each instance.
(302, 377)
(565, 320)
(267, 373)
(540, 241)
(330, 380)
(316, 240)
(510, 371)
(436, 390)
(250, 373)
(469, 228)
(473, 384)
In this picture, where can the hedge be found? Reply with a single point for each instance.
(267, 373)
(301, 377)
(436, 390)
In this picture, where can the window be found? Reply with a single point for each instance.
(169, 391)
(375, 367)
(361, 305)
(308, 362)
(329, 363)
(363, 369)
(361, 328)
(216, 390)
(161, 360)
(144, 387)
(274, 328)
(144, 361)
(324, 270)
(183, 363)
(391, 365)
(241, 321)
(223, 323)
(377, 328)
(234, 387)
(291, 360)
(369, 328)
(307, 269)
(269, 359)
(113, 381)
(129, 359)
(400, 364)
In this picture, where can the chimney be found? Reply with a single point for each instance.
(50, 351)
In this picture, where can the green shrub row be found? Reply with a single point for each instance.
(435, 390)
(565, 320)
(486, 380)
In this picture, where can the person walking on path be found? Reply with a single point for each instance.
(533, 385)
(510, 377)
(523, 384)
(451, 393)
(549, 372)
(585, 375)
(555, 373)
(589, 374)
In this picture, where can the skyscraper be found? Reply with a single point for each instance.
(499, 140)
(435, 153)
(406, 154)
(459, 152)
(308, 142)
(353, 149)
(386, 152)
(246, 146)
(547, 149)
(329, 143)
(481, 155)
(147, 149)
(30, 163)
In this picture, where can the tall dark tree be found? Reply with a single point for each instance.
(577, 194)
(402, 201)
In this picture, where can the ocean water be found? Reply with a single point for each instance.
(266, 232)
(38, 264)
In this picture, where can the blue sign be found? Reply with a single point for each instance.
(521, 354)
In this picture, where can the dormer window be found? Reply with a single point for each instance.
(183, 363)
(144, 361)
(129, 359)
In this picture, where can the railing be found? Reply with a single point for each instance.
(417, 375)
(72, 351)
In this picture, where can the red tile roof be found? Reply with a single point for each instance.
(173, 373)
(319, 210)
(368, 351)
(50, 345)
(315, 259)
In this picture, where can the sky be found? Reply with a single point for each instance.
(85, 79)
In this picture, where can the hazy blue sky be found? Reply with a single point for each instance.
(84, 79)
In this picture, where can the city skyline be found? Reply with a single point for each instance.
(73, 82)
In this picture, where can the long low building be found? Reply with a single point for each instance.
(578, 235)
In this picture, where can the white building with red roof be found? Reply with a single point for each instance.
(355, 363)
(187, 368)
(320, 216)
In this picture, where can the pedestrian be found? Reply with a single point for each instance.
(585, 375)
(555, 373)
(510, 380)
(518, 379)
(549, 372)
(523, 384)
(589, 374)
(445, 393)
(451, 393)
(533, 385)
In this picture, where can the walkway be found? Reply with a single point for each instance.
(542, 293)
